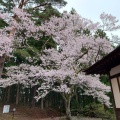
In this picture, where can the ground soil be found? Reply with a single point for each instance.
(27, 113)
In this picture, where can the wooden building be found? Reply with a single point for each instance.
(110, 65)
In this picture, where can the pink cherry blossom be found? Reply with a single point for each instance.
(61, 70)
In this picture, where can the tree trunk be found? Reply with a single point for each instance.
(5, 95)
(18, 94)
(76, 95)
(68, 112)
(46, 103)
(8, 94)
(26, 95)
(34, 94)
(2, 60)
(67, 100)
(42, 103)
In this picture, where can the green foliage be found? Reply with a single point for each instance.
(45, 41)
(97, 110)
(75, 104)
(3, 23)
(7, 5)
(73, 11)
(40, 17)
(86, 32)
(57, 3)
(105, 79)
(100, 33)
(75, 107)
(22, 53)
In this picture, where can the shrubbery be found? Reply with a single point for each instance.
(98, 110)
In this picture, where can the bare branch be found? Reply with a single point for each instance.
(21, 4)
(45, 44)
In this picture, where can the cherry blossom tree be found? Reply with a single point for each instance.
(61, 70)
(20, 28)
(64, 67)
(110, 24)
(14, 36)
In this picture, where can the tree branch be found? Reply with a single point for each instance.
(45, 44)
(32, 49)
(41, 5)
(21, 4)
(26, 2)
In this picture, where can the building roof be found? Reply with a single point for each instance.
(104, 65)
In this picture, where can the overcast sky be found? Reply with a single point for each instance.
(92, 9)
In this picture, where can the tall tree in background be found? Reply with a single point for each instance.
(8, 5)
(38, 8)
(77, 50)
